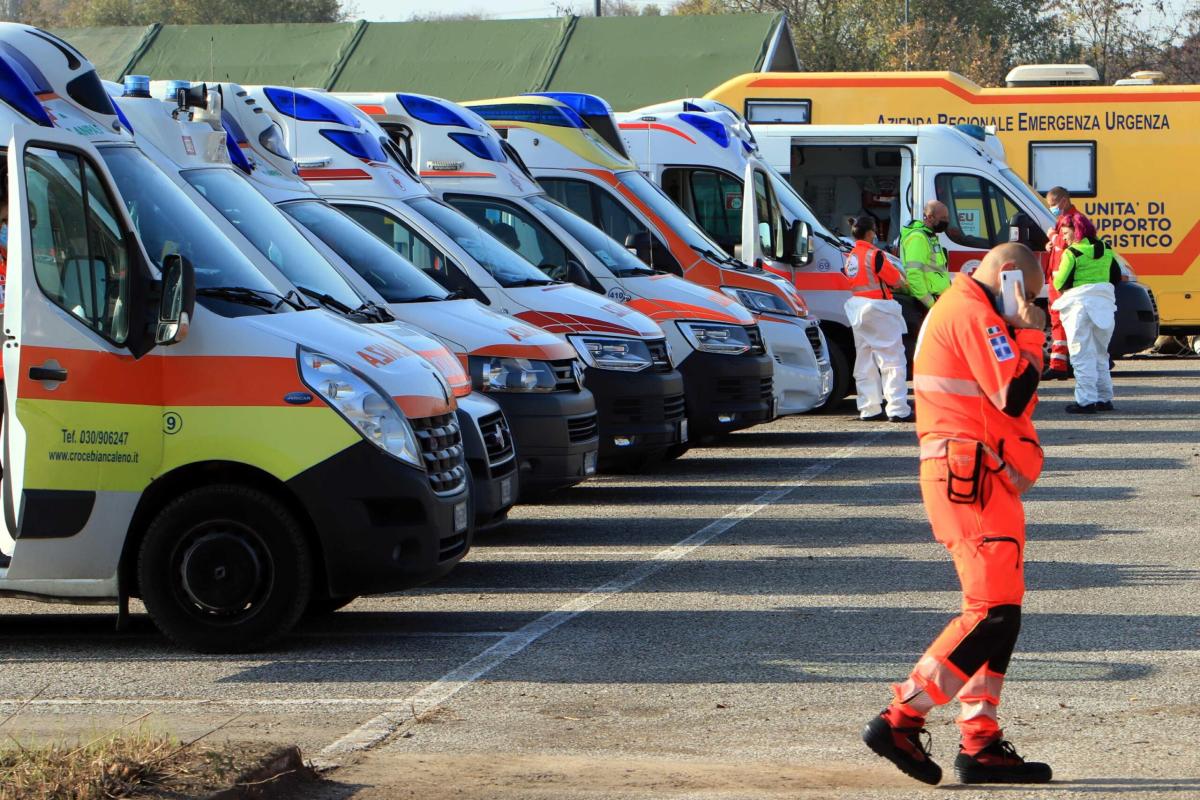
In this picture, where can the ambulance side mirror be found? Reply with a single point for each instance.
(797, 243)
(577, 274)
(640, 244)
(178, 300)
(1023, 229)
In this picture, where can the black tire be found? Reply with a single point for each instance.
(225, 569)
(841, 363)
(321, 604)
(676, 452)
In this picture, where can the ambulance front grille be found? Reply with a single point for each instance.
(564, 375)
(814, 338)
(757, 347)
(442, 451)
(497, 438)
(659, 355)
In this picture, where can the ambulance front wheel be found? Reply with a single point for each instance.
(225, 569)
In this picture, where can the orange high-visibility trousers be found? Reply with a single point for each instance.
(969, 659)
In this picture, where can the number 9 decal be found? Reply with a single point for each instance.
(172, 423)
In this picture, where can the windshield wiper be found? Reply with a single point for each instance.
(372, 310)
(366, 310)
(244, 295)
(531, 282)
(422, 298)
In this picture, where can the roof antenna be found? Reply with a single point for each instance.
(212, 70)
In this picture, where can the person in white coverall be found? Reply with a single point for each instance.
(1087, 304)
(878, 326)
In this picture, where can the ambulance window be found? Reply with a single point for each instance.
(516, 228)
(575, 195)
(1071, 165)
(712, 198)
(597, 205)
(980, 212)
(770, 221)
(79, 254)
(395, 278)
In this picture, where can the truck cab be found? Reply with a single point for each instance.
(183, 134)
(179, 426)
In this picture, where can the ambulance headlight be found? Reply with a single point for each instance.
(609, 352)
(711, 337)
(494, 374)
(762, 302)
(369, 410)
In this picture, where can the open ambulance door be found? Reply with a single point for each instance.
(82, 415)
(769, 239)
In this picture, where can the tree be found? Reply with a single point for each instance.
(86, 13)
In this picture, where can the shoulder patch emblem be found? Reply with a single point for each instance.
(992, 331)
(851, 268)
(1000, 346)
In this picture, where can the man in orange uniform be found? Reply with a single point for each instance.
(976, 374)
(877, 323)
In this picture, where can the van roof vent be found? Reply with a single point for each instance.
(1052, 75)
(1143, 77)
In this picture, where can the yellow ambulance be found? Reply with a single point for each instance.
(1123, 151)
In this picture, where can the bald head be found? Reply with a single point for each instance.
(935, 211)
(1010, 256)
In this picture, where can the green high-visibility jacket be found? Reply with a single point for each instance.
(1083, 263)
(924, 262)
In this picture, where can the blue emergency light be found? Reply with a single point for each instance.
(484, 147)
(557, 116)
(15, 90)
(306, 107)
(137, 86)
(709, 127)
(433, 111)
(360, 145)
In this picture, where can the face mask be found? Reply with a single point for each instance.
(941, 226)
(1056, 211)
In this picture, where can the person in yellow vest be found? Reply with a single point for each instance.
(1086, 278)
(922, 255)
(878, 326)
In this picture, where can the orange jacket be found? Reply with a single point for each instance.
(975, 379)
(869, 272)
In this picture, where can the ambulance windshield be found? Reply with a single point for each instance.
(614, 257)
(271, 233)
(672, 215)
(396, 278)
(168, 222)
(505, 265)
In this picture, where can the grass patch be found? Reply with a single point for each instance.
(146, 764)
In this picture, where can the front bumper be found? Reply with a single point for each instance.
(641, 413)
(380, 525)
(488, 444)
(556, 435)
(727, 393)
(1137, 320)
(803, 375)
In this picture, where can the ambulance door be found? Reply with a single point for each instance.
(981, 213)
(82, 416)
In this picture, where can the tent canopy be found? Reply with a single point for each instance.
(630, 61)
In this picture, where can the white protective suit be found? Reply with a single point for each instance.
(879, 368)
(1089, 315)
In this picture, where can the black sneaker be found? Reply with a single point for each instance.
(880, 417)
(1105, 405)
(905, 418)
(904, 748)
(999, 763)
(1075, 408)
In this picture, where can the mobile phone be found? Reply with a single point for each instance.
(1012, 291)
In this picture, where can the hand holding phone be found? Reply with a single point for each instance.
(1012, 291)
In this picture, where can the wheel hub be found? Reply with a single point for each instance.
(221, 572)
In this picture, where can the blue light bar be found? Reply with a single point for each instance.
(17, 93)
(436, 112)
(709, 127)
(360, 145)
(124, 120)
(307, 107)
(171, 91)
(137, 86)
(236, 155)
(538, 115)
(974, 131)
(583, 104)
(482, 146)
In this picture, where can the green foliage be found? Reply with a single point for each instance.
(87, 13)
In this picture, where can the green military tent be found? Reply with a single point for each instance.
(630, 61)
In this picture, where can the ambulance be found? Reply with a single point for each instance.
(1113, 148)
(185, 138)
(716, 343)
(351, 162)
(558, 138)
(827, 174)
(178, 426)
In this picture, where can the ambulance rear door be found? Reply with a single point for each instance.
(83, 420)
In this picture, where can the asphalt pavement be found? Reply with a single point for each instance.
(722, 627)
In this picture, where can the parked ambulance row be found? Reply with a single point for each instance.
(259, 363)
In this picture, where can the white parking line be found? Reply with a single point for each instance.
(385, 725)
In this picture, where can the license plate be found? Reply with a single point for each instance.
(506, 491)
(683, 430)
(589, 463)
(460, 517)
